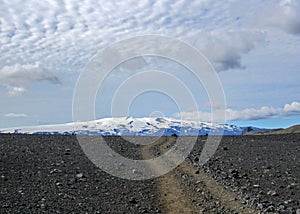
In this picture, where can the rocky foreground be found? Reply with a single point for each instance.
(247, 174)
(265, 170)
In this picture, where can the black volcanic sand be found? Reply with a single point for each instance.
(265, 170)
(51, 174)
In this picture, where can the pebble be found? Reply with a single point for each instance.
(260, 206)
(58, 184)
(79, 175)
(184, 176)
(132, 200)
(5, 205)
(4, 178)
(270, 208)
(282, 207)
(272, 193)
(67, 151)
(55, 171)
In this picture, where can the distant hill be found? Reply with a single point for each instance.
(291, 130)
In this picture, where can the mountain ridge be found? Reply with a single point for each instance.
(290, 130)
(133, 126)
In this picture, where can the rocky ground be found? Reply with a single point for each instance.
(265, 170)
(51, 174)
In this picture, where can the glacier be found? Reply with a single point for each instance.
(122, 126)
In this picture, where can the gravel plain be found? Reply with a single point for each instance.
(51, 174)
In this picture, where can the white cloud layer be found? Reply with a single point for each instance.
(264, 112)
(70, 32)
(284, 15)
(15, 115)
(64, 35)
(16, 78)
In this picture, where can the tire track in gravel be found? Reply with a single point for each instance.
(178, 199)
(226, 197)
(174, 198)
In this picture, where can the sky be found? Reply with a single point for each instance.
(254, 46)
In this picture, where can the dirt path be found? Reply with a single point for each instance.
(173, 197)
(177, 198)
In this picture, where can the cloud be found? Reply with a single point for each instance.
(64, 35)
(16, 78)
(284, 15)
(293, 107)
(15, 115)
(264, 112)
(225, 49)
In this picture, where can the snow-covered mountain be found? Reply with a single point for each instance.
(131, 126)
